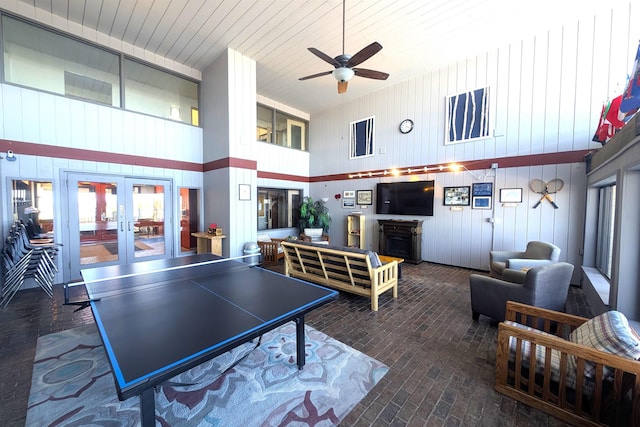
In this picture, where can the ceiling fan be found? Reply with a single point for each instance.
(344, 63)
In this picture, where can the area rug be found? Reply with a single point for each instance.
(72, 384)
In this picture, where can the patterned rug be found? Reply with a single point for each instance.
(72, 384)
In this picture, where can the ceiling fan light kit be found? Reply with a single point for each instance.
(344, 63)
(343, 74)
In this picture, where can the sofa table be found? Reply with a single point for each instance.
(209, 243)
(385, 259)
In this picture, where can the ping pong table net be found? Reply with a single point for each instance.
(99, 284)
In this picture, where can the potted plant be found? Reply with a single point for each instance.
(314, 218)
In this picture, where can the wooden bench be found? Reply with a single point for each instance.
(347, 269)
(548, 372)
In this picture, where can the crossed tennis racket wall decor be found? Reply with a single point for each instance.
(546, 188)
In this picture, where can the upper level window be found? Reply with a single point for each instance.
(152, 91)
(281, 129)
(50, 61)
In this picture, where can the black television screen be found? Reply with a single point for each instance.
(405, 198)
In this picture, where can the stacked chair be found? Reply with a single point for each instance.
(26, 256)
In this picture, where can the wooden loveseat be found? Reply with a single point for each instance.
(347, 269)
(566, 371)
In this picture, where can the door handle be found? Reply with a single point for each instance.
(129, 223)
(121, 225)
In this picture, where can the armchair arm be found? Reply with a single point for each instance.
(514, 276)
(520, 263)
(489, 295)
(503, 256)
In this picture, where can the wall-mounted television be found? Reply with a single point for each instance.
(405, 198)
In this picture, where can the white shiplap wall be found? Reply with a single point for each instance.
(228, 93)
(546, 96)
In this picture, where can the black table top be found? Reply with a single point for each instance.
(156, 324)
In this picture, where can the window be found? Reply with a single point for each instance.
(606, 222)
(152, 91)
(289, 131)
(50, 61)
(278, 208)
(32, 202)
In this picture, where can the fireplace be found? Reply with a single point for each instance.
(401, 239)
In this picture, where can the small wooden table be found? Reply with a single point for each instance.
(385, 259)
(209, 243)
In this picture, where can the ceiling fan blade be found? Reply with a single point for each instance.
(313, 76)
(370, 74)
(324, 57)
(364, 54)
(342, 87)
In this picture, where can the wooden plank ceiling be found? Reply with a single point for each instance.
(417, 36)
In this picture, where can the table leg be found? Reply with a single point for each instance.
(148, 407)
(300, 344)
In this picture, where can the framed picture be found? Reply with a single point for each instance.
(482, 189)
(364, 197)
(457, 196)
(348, 203)
(245, 192)
(481, 202)
(348, 194)
(511, 195)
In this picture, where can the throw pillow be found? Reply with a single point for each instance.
(608, 332)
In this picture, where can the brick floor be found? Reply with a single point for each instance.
(441, 361)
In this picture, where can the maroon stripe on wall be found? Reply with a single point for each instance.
(283, 176)
(31, 149)
(230, 162)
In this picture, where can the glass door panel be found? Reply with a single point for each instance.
(148, 210)
(98, 222)
(96, 211)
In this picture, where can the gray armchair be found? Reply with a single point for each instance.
(546, 287)
(536, 254)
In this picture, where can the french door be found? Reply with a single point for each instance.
(117, 220)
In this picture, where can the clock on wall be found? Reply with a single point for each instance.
(406, 126)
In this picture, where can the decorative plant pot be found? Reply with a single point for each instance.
(313, 233)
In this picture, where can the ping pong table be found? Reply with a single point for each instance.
(160, 318)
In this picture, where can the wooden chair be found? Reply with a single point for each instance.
(271, 251)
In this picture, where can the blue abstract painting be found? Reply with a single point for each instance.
(468, 116)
